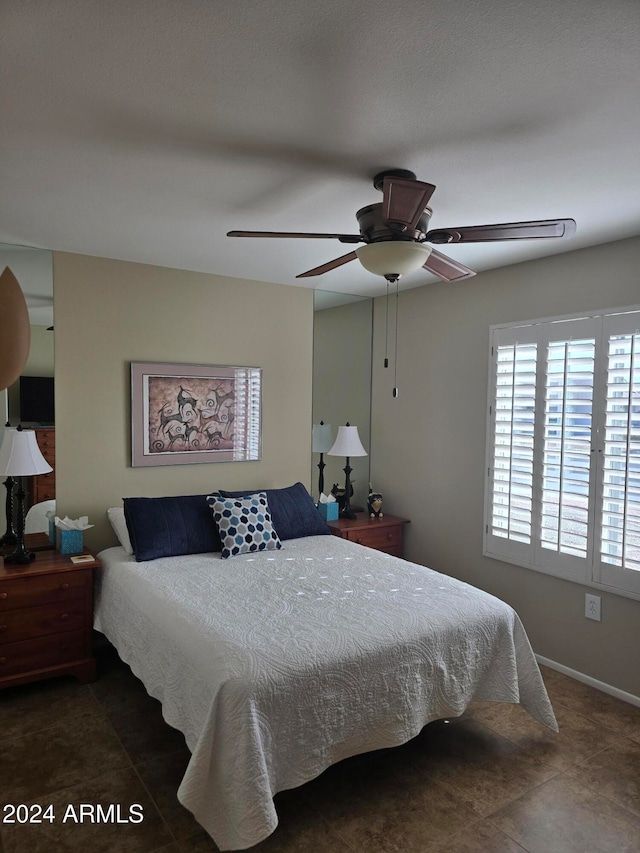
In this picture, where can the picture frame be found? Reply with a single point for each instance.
(184, 414)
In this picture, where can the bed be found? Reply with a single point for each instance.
(277, 664)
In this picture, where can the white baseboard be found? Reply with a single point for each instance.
(592, 682)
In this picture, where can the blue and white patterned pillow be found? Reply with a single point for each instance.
(244, 524)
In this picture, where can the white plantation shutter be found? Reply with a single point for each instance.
(513, 444)
(511, 457)
(564, 445)
(617, 561)
(566, 454)
(563, 448)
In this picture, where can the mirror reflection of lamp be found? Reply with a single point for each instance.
(321, 442)
(347, 444)
(20, 457)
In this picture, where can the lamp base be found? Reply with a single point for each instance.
(20, 556)
(347, 512)
(23, 558)
(8, 540)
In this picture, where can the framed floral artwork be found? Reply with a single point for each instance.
(190, 413)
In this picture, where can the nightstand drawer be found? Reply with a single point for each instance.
(381, 534)
(42, 653)
(39, 621)
(48, 450)
(382, 539)
(43, 589)
(46, 494)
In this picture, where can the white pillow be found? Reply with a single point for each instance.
(36, 520)
(119, 524)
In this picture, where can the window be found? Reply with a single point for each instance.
(563, 449)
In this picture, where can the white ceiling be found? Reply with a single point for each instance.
(146, 130)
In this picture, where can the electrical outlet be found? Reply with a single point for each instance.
(592, 607)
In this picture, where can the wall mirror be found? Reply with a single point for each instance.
(342, 340)
(34, 270)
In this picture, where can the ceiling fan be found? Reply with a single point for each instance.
(395, 231)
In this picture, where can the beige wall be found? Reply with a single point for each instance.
(428, 445)
(342, 388)
(109, 313)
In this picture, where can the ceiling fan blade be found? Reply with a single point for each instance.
(337, 262)
(505, 231)
(446, 268)
(344, 238)
(403, 202)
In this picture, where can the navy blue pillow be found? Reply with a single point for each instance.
(169, 527)
(293, 511)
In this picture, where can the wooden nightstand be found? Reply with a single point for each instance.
(383, 534)
(46, 618)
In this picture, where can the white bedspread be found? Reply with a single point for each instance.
(279, 664)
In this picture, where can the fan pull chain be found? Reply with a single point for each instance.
(395, 352)
(386, 330)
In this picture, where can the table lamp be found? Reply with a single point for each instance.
(347, 444)
(321, 441)
(20, 457)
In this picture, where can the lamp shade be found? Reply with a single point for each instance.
(5, 442)
(321, 438)
(347, 443)
(20, 455)
(15, 331)
(393, 257)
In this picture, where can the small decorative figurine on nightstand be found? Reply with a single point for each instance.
(374, 503)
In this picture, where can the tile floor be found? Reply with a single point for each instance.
(492, 781)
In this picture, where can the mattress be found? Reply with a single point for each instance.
(276, 665)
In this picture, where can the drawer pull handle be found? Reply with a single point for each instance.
(3, 595)
(358, 541)
(64, 616)
(64, 586)
(389, 535)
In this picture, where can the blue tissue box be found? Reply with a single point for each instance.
(71, 542)
(329, 512)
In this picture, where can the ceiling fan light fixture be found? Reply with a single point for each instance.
(393, 257)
